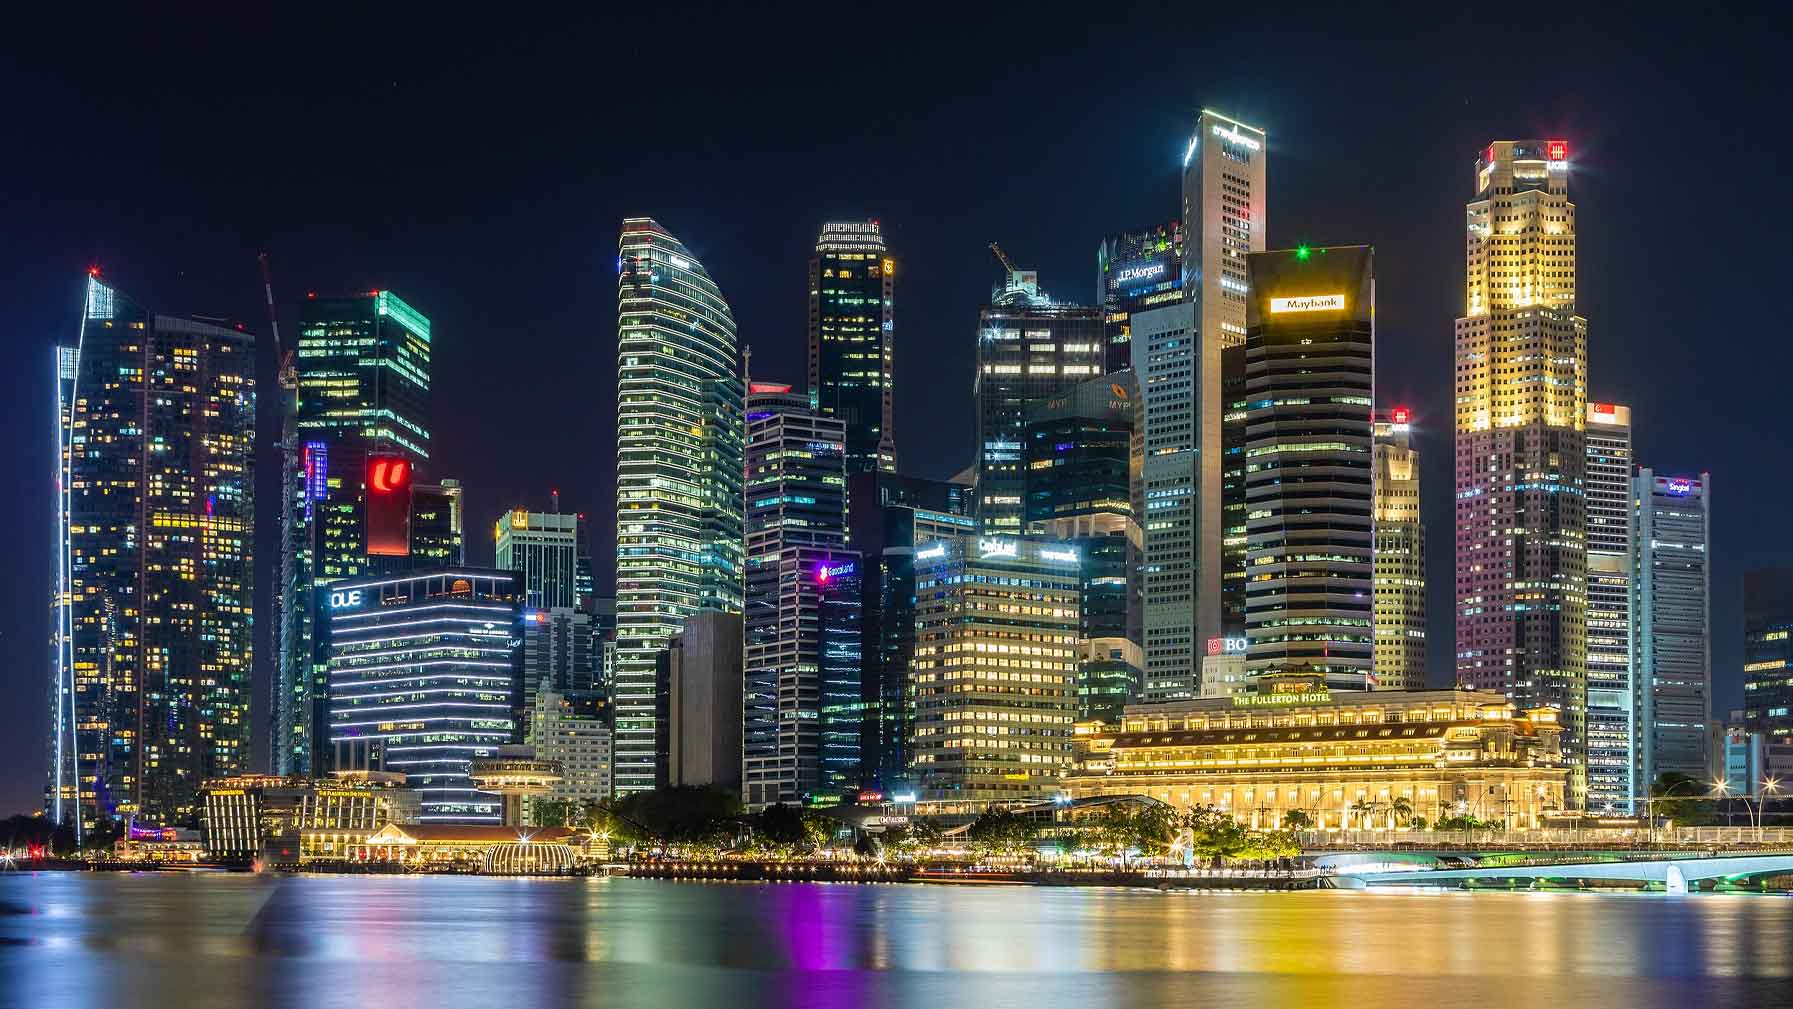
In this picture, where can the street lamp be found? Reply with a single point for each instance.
(1650, 802)
(1769, 785)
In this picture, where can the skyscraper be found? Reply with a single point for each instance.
(679, 440)
(547, 548)
(1400, 558)
(802, 697)
(1521, 393)
(1768, 653)
(1673, 584)
(363, 373)
(995, 668)
(1029, 347)
(852, 339)
(1167, 359)
(1136, 271)
(1310, 367)
(438, 531)
(156, 525)
(1224, 187)
(1612, 702)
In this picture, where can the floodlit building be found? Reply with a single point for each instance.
(1341, 758)
(154, 585)
(249, 815)
(1521, 394)
(1673, 586)
(1612, 701)
(1400, 558)
(572, 730)
(852, 339)
(680, 435)
(1166, 357)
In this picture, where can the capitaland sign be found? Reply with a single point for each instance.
(1281, 699)
(1309, 303)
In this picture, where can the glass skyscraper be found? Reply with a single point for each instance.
(679, 443)
(1673, 613)
(1612, 708)
(156, 525)
(852, 339)
(1136, 271)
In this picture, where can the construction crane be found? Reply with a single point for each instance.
(1003, 258)
(288, 375)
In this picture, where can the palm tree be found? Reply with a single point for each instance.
(1402, 808)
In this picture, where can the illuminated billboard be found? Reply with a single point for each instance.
(1140, 273)
(1309, 303)
(388, 506)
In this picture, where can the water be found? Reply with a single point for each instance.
(372, 942)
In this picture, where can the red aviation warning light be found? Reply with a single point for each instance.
(388, 506)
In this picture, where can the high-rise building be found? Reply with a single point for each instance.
(1224, 190)
(700, 701)
(1400, 558)
(995, 673)
(572, 729)
(426, 705)
(1029, 347)
(1166, 501)
(1309, 471)
(362, 369)
(1521, 394)
(852, 339)
(888, 514)
(550, 549)
(155, 531)
(438, 534)
(1136, 271)
(679, 440)
(1673, 585)
(802, 704)
(1612, 703)
(561, 652)
(1768, 653)
(1079, 450)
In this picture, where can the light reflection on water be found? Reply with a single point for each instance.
(370, 942)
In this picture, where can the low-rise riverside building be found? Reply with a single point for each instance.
(246, 815)
(1344, 759)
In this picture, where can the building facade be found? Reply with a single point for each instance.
(995, 668)
(550, 550)
(1166, 359)
(1768, 652)
(571, 729)
(1029, 347)
(1136, 271)
(249, 815)
(1400, 558)
(701, 696)
(1673, 586)
(425, 678)
(155, 532)
(1341, 758)
(1309, 472)
(852, 339)
(679, 441)
(1521, 393)
(1612, 700)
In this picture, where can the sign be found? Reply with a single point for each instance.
(1069, 556)
(826, 571)
(988, 547)
(937, 550)
(1226, 646)
(1556, 150)
(1677, 485)
(1402, 416)
(344, 600)
(1309, 303)
(1141, 272)
(388, 506)
(1281, 699)
(1233, 136)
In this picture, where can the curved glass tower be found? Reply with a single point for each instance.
(679, 442)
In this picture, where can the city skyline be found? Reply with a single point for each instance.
(930, 450)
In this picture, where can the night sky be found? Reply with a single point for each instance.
(481, 170)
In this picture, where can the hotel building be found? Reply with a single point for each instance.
(1400, 559)
(680, 435)
(1342, 758)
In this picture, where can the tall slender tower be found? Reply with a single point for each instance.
(1400, 558)
(1521, 391)
(1673, 613)
(679, 442)
(852, 339)
(156, 589)
(1177, 353)
(1612, 707)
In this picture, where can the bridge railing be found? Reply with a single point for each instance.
(1641, 838)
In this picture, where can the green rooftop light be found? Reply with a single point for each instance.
(1302, 252)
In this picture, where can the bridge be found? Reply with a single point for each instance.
(1674, 872)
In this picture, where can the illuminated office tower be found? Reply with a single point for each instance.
(426, 704)
(1309, 449)
(801, 736)
(1521, 394)
(155, 528)
(995, 669)
(852, 339)
(1768, 653)
(1136, 271)
(1223, 221)
(1165, 358)
(438, 535)
(549, 549)
(1029, 347)
(1400, 558)
(1673, 586)
(1079, 448)
(362, 367)
(679, 440)
(1612, 708)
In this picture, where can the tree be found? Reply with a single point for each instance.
(1402, 808)
(1214, 834)
(790, 829)
(1000, 832)
(1418, 823)
(700, 816)
(1265, 845)
(1678, 797)
(1296, 819)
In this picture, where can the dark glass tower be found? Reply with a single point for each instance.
(157, 429)
(1136, 271)
(852, 336)
(1768, 652)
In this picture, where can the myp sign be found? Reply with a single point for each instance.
(345, 599)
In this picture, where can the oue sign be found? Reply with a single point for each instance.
(343, 600)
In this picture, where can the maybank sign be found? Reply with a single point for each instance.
(1309, 303)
